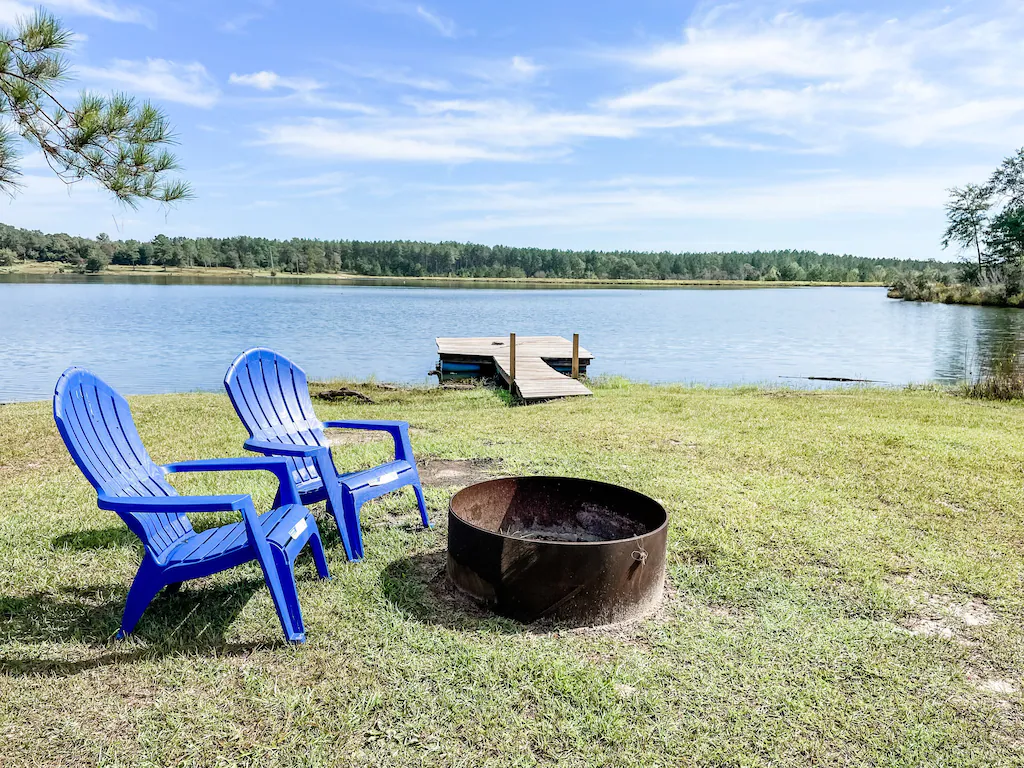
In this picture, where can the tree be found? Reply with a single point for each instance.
(1006, 236)
(95, 259)
(115, 140)
(968, 214)
(1008, 180)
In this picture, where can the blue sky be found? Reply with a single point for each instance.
(834, 126)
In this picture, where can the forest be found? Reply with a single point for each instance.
(446, 259)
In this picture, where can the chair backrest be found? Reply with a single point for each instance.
(271, 397)
(98, 430)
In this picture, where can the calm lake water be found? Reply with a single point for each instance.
(146, 338)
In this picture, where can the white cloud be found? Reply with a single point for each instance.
(448, 131)
(934, 78)
(166, 80)
(268, 81)
(525, 66)
(445, 26)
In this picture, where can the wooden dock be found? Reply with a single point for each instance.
(536, 360)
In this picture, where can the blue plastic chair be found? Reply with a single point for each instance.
(271, 397)
(98, 430)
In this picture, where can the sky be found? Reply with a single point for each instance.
(646, 125)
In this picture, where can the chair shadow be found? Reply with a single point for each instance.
(419, 587)
(189, 620)
(98, 538)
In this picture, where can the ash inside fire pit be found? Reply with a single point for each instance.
(592, 522)
(555, 548)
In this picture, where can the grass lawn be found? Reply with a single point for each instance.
(846, 577)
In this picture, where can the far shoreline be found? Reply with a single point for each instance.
(46, 271)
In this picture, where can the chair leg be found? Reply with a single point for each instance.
(422, 502)
(275, 580)
(290, 592)
(355, 532)
(336, 506)
(316, 547)
(144, 588)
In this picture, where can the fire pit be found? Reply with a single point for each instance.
(561, 549)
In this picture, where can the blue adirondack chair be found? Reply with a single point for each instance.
(271, 397)
(98, 430)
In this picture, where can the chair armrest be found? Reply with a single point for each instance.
(274, 448)
(379, 424)
(287, 493)
(399, 431)
(178, 504)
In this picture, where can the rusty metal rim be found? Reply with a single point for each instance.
(602, 542)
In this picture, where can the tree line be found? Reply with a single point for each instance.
(448, 259)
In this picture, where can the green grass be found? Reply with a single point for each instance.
(814, 536)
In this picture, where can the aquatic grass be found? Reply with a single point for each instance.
(822, 550)
(1003, 378)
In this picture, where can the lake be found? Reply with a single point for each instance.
(146, 337)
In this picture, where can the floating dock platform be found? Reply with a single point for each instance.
(541, 364)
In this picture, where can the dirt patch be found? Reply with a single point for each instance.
(434, 599)
(973, 613)
(592, 522)
(998, 687)
(458, 473)
(944, 617)
(930, 628)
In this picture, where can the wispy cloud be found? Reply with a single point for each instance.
(933, 77)
(239, 22)
(631, 202)
(456, 131)
(525, 66)
(445, 26)
(401, 77)
(738, 80)
(10, 10)
(167, 80)
(269, 81)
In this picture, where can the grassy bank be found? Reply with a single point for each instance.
(225, 274)
(992, 295)
(846, 588)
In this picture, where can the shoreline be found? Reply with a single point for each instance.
(604, 382)
(227, 276)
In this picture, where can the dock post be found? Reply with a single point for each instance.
(575, 355)
(512, 361)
